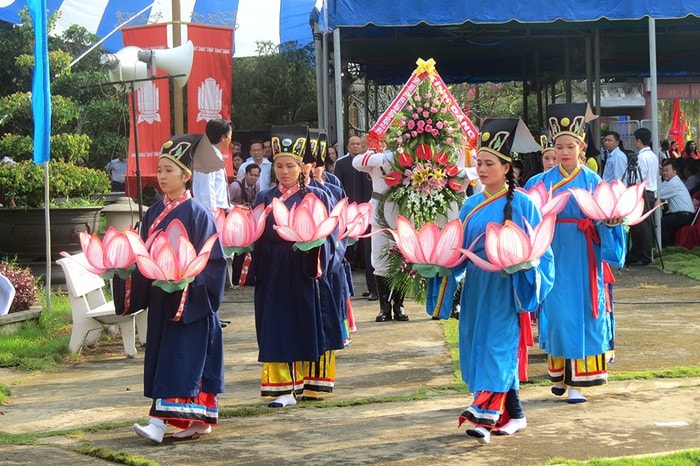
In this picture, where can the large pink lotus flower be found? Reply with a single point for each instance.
(543, 199)
(509, 248)
(307, 224)
(114, 254)
(430, 250)
(353, 218)
(614, 200)
(172, 261)
(242, 227)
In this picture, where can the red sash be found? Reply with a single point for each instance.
(587, 226)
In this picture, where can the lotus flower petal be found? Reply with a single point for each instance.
(94, 254)
(185, 253)
(446, 252)
(174, 230)
(588, 204)
(280, 212)
(118, 252)
(541, 237)
(626, 203)
(427, 239)
(150, 268)
(513, 245)
(195, 267)
(287, 233)
(236, 230)
(304, 223)
(555, 204)
(219, 219)
(479, 262)
(209, 244)
(137, 244)
(407, 240)
(167, 260)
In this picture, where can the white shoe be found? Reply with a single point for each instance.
(155, 430)
(481, 434)
(511, 427)
(195, 429)
(282, 401)
(576, 396)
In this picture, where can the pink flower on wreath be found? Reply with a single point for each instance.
(443, 110)
(414, 133)
(433, 110)
(406, 137)
(420, 130)
(414, 116)
(411, 124)
(419, 109)
(429, 121)
(449, 140)
(417, 97)
(435, 132)
(428, 95)
(439, 125)
(426, 114)
(409, 108)
(421, 124)
(429, 128)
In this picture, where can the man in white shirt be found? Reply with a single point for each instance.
(211, 189)
(116, 168)
(257, 156)
(616, 160)
(680, 205)
(642, 234)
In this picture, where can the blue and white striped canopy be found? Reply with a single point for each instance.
(276, 21)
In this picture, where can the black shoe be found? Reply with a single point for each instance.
(400, 315)
(365, 294)
(372, 297)
(224, 323)
(383, 317)
(638, 264)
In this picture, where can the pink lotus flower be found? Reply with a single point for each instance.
(430, 250)
(307, 224)
(614, 200)
(509, 248)
(353, 218)
(543, 199)
(242, 227)
(172, 261)
(115, 254)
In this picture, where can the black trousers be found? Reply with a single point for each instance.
(671, 222)
(642, 234)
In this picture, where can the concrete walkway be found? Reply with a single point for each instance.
(385, 359)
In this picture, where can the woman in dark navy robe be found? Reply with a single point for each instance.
(184, 364)
(297, 335)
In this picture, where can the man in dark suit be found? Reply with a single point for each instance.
(358, 187)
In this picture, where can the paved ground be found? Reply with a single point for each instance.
(658, 327)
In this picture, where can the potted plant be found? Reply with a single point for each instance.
(75, 196)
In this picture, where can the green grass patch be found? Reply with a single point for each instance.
(4, 393)
(672, 373)
(41, 345)
(681, 261)
(680, 458)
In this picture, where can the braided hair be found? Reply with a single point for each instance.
(510, 179)
(302, 183)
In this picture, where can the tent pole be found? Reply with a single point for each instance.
(589, 70)
(567, 70)
(325, 83)
(654, 117)
(338, 81)
(47, 221)
(178, 92)
(318, 49)
(596, 71)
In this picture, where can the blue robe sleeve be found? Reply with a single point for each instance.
(613, 244)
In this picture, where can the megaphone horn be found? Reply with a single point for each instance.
(175, 61)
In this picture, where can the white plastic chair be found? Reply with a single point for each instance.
(91, 311)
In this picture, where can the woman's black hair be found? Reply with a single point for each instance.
(302, 181)
(510, 179)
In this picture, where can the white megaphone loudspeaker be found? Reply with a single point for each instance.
(131, 64)
(176, 61)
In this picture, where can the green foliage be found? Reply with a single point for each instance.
(68, 147)
(16, 146)
(274, 88)
(23, 183)
(679, 458)
(41, 345)
(19, 119)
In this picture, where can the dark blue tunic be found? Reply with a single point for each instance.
(290, 322)
(180, 355)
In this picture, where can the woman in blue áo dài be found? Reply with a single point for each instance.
(491, 302)
(578, 325)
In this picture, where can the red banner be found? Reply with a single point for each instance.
(152, 111)
(209, 86)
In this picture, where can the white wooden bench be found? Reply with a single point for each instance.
(92, 312)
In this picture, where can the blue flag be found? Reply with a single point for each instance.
(41, 92)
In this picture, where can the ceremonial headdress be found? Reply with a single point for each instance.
(181, 149)
(318, 142)
(502, 136)
(569, 119)
(290, 141)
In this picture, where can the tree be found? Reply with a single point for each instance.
(274, 88)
